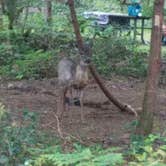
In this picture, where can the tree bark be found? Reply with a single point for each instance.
(2, 6)
(1, 14)
(76, 26)
(11, 11)
(49, 11)
(25, 18)
(121, 106)
(150, 97)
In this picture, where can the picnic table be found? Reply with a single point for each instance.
(122, 20)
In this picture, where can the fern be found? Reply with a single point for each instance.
(111, 159)
(83, 158)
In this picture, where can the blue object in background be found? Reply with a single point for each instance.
(164, 40)
(134, 10)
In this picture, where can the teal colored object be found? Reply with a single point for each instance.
(134, 9)
(134, 1)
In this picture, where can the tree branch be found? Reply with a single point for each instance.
(121, 106)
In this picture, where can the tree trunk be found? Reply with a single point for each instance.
(11, 22)
(11, 11)
(121, 106)
(1, 22)
(2, 6)
(1, 14)
(150, 97)
(25, 18)
(49, 11)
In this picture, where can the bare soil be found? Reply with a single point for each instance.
(105, 123)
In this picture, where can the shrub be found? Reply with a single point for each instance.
(147, 151)
(118, 55)
(79, 157)
(15, 138)
(34, 65)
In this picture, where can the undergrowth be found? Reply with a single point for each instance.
(80, 157)
(35, 54)
(22, 143)
(120, 56)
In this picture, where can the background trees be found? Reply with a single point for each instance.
(33, 36)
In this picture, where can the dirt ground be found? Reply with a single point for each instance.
(105, 123)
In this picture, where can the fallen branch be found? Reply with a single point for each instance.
(96, 104)
(64, 135)
(120, 105)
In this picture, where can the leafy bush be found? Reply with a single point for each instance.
(147, 151)
(15, 138)
(119, 55)
(22, 143)
(12, 47)
(33, 56)
(47, 40)
(18, 135)
(135, 66)
(80, 157)
(7, 54)
(33, 65)
(147, 8)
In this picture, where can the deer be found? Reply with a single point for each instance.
(73, 75)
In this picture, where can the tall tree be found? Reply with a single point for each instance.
(1, 14)
(11, 11)
(150, 97)
(49, 11)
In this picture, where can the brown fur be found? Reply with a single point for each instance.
(70, 76)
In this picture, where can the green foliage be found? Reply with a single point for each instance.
(142, 151)
(33, 65)
(107, 52)
(18, 135)
(47, 40)
(147, 8)
(6, 54)
(22, 143)
(136, 66)
(31, 51)
(20, 50)
(147, 151)
(15, 138)
(26, 57)
(98, 5)
(80, 157)
(115, 54)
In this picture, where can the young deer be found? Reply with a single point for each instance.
(72, 75)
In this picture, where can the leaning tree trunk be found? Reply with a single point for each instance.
(121, 106)
(150, 97)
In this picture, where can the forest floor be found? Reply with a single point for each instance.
(105, 123)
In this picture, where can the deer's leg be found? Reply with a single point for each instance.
(69, 106)
(82, 105)
(61, 103)
(66, 99)
(71, 96)
(68, 96)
